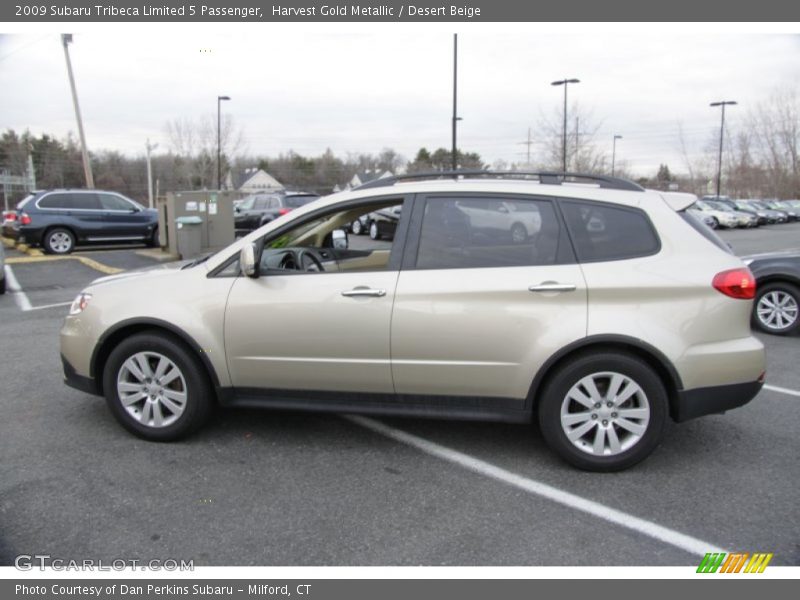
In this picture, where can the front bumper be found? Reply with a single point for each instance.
(698, 402)
(73, 380)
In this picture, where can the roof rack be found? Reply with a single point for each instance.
(545, 177)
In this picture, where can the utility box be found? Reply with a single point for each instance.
(189, 234)
(214, 209)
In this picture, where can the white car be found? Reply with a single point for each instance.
(721, 218)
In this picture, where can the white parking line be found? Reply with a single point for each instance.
(782, 390)
(13, 286)
(537, 488)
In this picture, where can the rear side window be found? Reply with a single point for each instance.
(55, 201)
(603, 232)
(298, 201)
(483, 232)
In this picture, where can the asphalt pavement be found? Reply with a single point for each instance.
(286, 488)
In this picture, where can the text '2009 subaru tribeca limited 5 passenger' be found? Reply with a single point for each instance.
(596, 307)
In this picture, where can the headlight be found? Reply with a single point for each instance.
(80, 303)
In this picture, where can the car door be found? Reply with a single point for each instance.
(313, 331)
(84, 214)
(476, 315)
(123, 219)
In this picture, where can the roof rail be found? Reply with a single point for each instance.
(545, 177)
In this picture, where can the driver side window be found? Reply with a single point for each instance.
(330, 244)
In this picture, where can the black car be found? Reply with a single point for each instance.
(258, 209)
(775, 309)
(58, 220)
(383, 223)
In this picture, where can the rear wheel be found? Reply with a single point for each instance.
(776, 308)
(356, 227)
(603, 412)
(59, 241)
(156, 388)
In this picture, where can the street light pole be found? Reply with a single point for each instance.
(614, 153)
(150, 147)
(219, 141)
(565, 82)
(66, 39)
(723, 104)
(455, 100)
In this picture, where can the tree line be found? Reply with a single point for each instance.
(761, 158)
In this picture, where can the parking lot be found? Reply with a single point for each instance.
(286, 488)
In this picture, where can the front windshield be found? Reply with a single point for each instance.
(720, 206)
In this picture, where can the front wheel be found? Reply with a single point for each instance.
(603, 412)
(356, 227)
(776, 308)
(374, 232)
(156, 388)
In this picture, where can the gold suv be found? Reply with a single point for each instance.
(587, 303)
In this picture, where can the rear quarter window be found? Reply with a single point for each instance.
(704, 230)
(603, 232)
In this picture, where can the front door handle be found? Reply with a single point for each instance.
(552, 286)
(363, 291)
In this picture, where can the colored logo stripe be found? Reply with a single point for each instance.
(734, 563)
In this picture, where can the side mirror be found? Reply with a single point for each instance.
(247, 261)
(340, 240)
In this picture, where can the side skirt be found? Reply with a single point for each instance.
(508, 410)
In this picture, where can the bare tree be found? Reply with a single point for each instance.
(583, 154)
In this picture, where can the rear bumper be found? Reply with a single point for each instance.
(698, 402)
(79, 382)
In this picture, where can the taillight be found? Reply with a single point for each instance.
(24, 219)
(9, 215)
(283, 211)
(736, 283)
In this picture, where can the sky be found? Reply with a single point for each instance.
(361, 88)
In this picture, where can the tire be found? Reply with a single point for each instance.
(715, 224)
(356, 227)
(518, 233)
(374, 232)
(153, 241)
(2, 285)
(636, 435)
(58, 241)
(776, 308)
(183, 404)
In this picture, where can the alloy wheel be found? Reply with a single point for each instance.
(605, 413)
(777, 310)
(152, 389)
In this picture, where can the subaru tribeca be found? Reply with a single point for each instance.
(610, 311)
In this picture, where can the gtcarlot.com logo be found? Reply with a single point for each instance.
(736, 562)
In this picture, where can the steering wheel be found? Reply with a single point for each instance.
(302, 259)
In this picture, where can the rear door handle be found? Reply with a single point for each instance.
(362, 291)
(552, 286)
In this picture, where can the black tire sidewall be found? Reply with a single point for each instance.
(198, 396)
(787, 288)
(49, 234)
(557, 386)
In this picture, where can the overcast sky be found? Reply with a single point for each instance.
(363, 88)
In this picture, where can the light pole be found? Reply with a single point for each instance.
(66, 39)
(614, 153)
(723, 104)
(219, 141)
(149, 148)
(565, 82)
(456, 118)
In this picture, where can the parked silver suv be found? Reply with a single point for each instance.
(588, 303)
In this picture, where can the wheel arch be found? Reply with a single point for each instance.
(112, 337)
(48, 228)
(662, 366)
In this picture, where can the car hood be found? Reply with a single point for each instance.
(154, 271)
